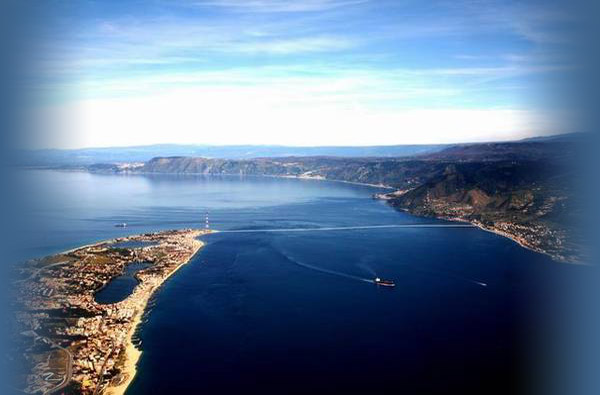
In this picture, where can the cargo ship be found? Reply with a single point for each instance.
(384, 283)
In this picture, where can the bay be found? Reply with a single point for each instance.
(296, 312)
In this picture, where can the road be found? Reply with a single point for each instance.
(68, 370)
(36, 272)
(99, 386)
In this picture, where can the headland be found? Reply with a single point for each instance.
(76, 344)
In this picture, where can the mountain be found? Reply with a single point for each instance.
(87, 156)
(569, 137)
(525, 150)
(528, 201)
(521, 190)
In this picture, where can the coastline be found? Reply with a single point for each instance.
(132, 353)
(103, 347)
(289, 176)
(342, 181)
(511, 237)
(523, 244)
(498, 232)
(298, 177)
(94, 244)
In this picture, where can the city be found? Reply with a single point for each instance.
(75, 343)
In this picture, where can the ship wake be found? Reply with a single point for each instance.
(326, 271)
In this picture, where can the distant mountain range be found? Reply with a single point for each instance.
(520, 189)
(87, 156)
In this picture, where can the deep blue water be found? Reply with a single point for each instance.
(119, 288)
(266, 312)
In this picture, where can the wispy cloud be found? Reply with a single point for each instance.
(277, 6)
(180, 41)
(307, 57)
(295, 45)
(542, 23)
(309, 84)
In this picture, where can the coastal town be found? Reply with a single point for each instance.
(521, 223)
(74, 344)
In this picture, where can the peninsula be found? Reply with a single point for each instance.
(73, 344)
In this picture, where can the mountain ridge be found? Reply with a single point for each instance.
(143, 153)
(521, 190)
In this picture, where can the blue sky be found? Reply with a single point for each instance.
(313, 72)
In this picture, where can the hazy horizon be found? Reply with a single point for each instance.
(309, 73)
(303, 146)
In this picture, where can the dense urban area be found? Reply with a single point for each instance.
(73, 344)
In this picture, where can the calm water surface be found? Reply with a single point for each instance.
(132, 244)
(119, 288)
(280, 313)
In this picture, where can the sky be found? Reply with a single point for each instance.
(304, 73)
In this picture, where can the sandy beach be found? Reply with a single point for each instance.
(132, 353)
(132, 356)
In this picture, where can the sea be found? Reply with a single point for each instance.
(290, 307)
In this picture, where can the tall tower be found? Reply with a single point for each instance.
(207, 226)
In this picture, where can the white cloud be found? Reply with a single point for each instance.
(252, 74)
(390, 87)
(180, 42)
(290, 46)
(259, 116)
(280, 5)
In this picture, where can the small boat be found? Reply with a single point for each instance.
(384, 283)
(122, 225)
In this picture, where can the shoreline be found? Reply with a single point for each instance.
(105, 353)
(298, 177)
(330, 180)
(477, 224)
(290, 176)
(517, 240)
(511, 237)
(132, 353)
